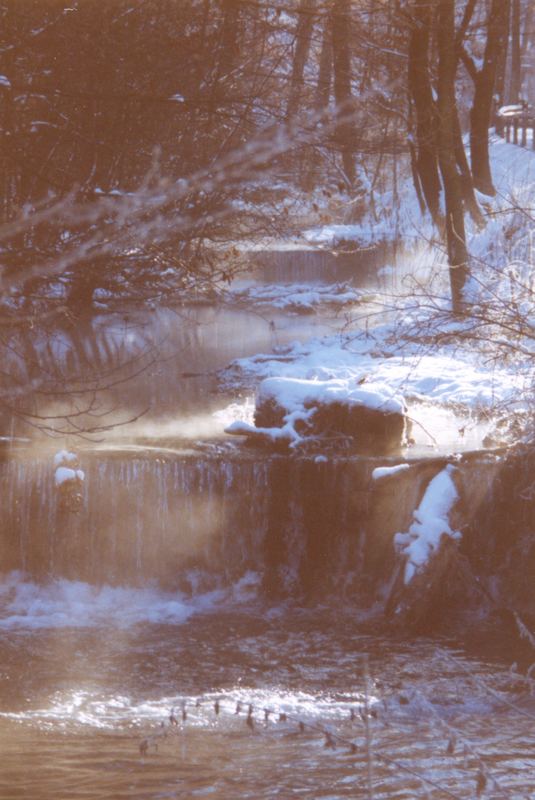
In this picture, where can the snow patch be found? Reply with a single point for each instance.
(65, 474)
(431, 522)
(386, 472)
(333, 235)
(64, 457)
(294, 394)
(372, 362)
(299, 298)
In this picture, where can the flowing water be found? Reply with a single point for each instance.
(92, 675)
(206, 624)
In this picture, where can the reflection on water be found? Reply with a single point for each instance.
(95, 654)
(78, 702)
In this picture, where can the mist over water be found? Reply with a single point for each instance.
(200, 574)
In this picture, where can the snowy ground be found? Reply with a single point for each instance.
(481, 366)
(514, 177)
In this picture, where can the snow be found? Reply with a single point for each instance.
(400, 218)
(443, 378)
(422, 353)
(286, 433)
(65, 474)
(431, 522)
(66, 464)
(333, 235)
(299, 298)
(511, 111)
(4, 81)
(63, 457)
(300, 398)
(294, 394)
(387, 472)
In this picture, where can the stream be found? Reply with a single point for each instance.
(205, 625)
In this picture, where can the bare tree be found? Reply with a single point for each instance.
(484, 80)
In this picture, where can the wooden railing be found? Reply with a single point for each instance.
(513, 124)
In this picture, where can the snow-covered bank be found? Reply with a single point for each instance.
(445, 378)
(513, 170)
(480, 364)
(297, 298)
(351, 366)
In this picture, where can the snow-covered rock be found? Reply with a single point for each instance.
(288, 410)
(430, 524)
(65, 458)
(65, 475)
(67, 472)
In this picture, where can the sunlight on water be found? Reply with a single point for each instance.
(253, 706)
(437, 429)
(85, 708)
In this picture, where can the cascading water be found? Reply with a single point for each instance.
(307, 527)
(301, 525)
(192, 578)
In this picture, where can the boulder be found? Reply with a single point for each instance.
(371, 419)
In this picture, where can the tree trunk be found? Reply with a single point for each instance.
(303, 36)
(467, 185)
(516, 68)
(341, 18)
(323, 88)
(424, 107)
(501, 69)
(481, 111)
(447, 115)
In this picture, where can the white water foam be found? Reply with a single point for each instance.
(62, 603)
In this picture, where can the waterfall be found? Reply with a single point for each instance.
(300, 524)
(192, 522)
